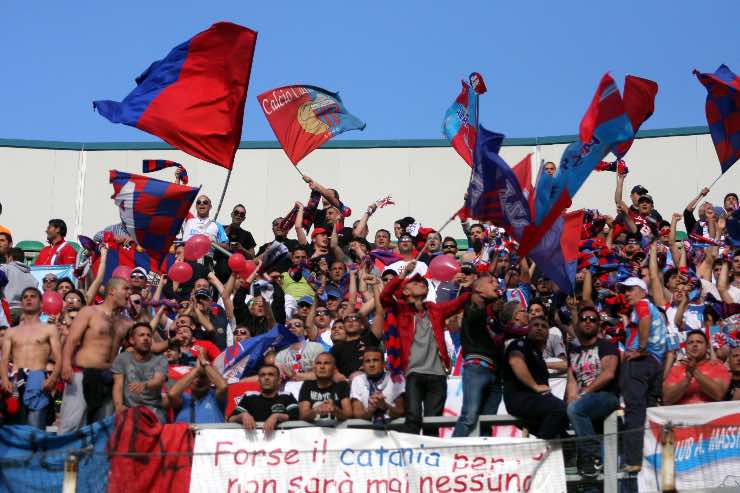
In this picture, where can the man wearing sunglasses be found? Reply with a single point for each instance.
(201, 224)
(592, 390)
(240, 240)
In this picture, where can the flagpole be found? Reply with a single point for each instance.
(223, 193)
(426, 245)
(715, 181)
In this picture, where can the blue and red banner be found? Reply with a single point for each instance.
(460, 124)
(723, 113)
(152, 165)
(494, 193)
(556, 255)
(304, 117)
(152, 210)
(604, 125)
(193, 99)
(131, 256)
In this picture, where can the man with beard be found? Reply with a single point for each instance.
(592, 386)
(138, 375)
(481, 357)
(478, 240)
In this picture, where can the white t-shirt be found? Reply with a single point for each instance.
(206, 226)
(734, 293)
(421, 268)
(391, 390)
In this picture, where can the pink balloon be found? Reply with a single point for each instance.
(237, 262)
(122, 272)
(197, 247)
(444, 268)
(51, 303)
(180, 272)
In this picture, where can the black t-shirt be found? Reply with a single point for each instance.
(236, 235)
(284, 264)
(586, 363)
(221, 324)
(477, 332)
(261, 407)
(348, 354)
(311, 392)
(534, 361)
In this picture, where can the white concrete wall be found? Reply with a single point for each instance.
(427, 183)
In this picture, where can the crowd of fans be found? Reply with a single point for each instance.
(653, 321)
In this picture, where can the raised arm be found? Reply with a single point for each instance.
(92, 291)
(656, 282)
(723, 283)
(299, 231)
(357, 231)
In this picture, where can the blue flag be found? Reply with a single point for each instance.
(244, 358)
(494, 193)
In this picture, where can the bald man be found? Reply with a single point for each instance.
(201, 224)
(94, 339)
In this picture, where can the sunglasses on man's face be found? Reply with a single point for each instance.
(591, 319)
(294, 324)
(138, 276)
(238, 213)
(351, 318)
(322, 313)
(203, 202)
(50, 279)
(241, 332)
(449, 247)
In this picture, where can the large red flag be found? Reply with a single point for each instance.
(523, 172)
(193, 99)
(639, 103)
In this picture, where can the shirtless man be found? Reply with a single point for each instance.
(28, 347)
(98, 332)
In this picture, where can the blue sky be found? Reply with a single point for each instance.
(397, 64)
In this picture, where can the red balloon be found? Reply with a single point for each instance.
(51, 303)
(122, 272)
(180, 272)
(444, 268)
(237, 262)
(249, 266)
(197, 247)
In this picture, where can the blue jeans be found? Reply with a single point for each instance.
(582, 414)
(481, 395)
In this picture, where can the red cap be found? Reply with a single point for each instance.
(318, 231)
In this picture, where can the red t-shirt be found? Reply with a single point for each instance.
(60, 253)
(711, 368)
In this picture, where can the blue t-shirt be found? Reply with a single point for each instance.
(656, 344)
(205, 410)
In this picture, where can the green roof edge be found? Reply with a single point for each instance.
(336, 144)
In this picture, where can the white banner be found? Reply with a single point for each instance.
(707, 446)
(324, 460)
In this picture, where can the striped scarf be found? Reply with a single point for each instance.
(392, 341)
(152, 165)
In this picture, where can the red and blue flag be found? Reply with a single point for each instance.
(460, 124)
(152, 165)
(494, 193)
(130, 256)
(193, 99)
(639, 103)
(556, 255)
(604, 125)
(304, 117)
(152, 210)
(723, 115)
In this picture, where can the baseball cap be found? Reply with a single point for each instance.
(202, 293)
(645, 198)
(139, 270)
(306, 300)
(418, 278)
(639, 190)
(468, 268)
(318, 231)
(634, 281)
